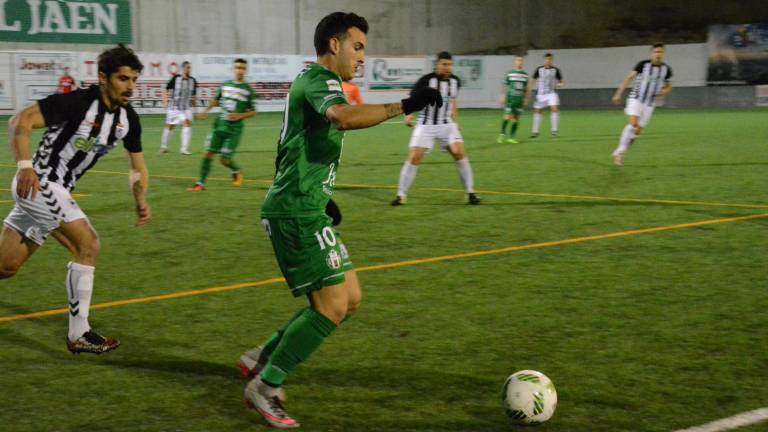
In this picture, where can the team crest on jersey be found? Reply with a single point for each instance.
(333, 260)
(120, 131)
(333, 85)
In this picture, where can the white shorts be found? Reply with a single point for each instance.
(36, 218)
(642, 111)
(546, 100)
(175, 117)
(424, 136)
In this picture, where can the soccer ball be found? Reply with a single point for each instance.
(529, 397)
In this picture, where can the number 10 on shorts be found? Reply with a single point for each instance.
(326, 238)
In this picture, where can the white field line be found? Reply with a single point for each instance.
(737, 421)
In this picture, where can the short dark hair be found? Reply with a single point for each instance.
(114, 58)
(547, 55)
(444, 55)
(657, 45)
(336, 25)
(241, 60)
(184, 63)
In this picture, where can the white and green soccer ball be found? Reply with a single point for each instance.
(529, 397)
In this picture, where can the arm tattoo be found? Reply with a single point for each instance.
(393, 109)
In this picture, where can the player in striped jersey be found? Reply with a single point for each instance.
(82, 127)
(546, 79)
(179, 98)
(236, 99)
(514, 98)
(437, 123)
(651, 80)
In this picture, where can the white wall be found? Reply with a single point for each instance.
(606, 67)
(397, 27)
(582, 69)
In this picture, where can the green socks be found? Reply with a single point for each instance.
(271, 344)
(205, 169)
(504, 127)
(513, 129)
(305, 333)
(233, 165)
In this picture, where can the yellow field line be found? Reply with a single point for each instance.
(396, 265)
(485, 192)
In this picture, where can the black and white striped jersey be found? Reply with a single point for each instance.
(649, 81)
(547, 79)
(449, 89)
(80, 131)
(180, 92)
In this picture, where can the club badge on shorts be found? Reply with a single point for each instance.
(333, 260)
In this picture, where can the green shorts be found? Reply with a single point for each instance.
(309, 251)
(223, 142)
(515, 108)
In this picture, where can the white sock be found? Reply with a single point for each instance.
(79, 291)
(166, 138)
(465, 173)
(555, 119)
(407, 176)
(627, 138)
(186, 136)
(536, 123)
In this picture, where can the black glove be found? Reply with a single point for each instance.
(420, 98)
(333, 211)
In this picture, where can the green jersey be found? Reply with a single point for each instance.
(233, 97)
(516, 82)
(309, 149)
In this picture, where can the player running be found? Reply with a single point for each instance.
(652, 78)
(514, 98)
(309, 251)
(82, 127)
(236, 99)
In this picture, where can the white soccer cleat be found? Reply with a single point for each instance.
(250, 368)
(249, 363)
(618, 159)
(264, 400)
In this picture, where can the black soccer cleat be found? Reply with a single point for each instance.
(92, 342)
(473, 199)
(398, 201)
(534, 135)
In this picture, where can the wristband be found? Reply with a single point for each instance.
(22, 164)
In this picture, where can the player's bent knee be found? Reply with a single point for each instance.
(88, 250)
(335, 313)
(354, 302)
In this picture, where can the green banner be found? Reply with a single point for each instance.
(86, 22)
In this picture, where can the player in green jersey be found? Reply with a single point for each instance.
(514, 98)
(236, 99)
(308, 249)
